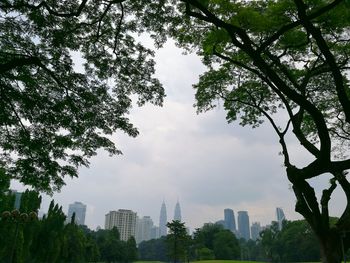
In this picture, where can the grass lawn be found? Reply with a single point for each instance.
(214, 261)
(206, 261)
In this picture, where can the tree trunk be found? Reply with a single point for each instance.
(331, 247)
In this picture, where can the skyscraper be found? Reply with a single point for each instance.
(143, 229)
(243, 225)
(80, 210)
(280, 217)
(124, 220)
(255, 230)
(163, 221)
(229, 218)
(177, 212)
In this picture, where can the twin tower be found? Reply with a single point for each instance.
(163, 218)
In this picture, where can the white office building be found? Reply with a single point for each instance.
(144, 227)
(124, 220)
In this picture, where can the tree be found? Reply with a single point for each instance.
(226, 245)
(177, 241)
(153, 250)
(299, 242)
(212, 241)
(130, 250)
(55, 115)
(110, 246)
(287, 57)
(269, 240)
(205, 236)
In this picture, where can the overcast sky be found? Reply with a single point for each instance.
(200, 160)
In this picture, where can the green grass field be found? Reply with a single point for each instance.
(213, 261)
(207, 261)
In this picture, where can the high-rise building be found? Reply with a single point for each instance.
(80, 210)
(280, 217)
(177, 212)
(155, 232)
(143, 229)
(124, 220)
(255, 230)
(229, 218)
(163, 221)
(243, 225)
(18, 197)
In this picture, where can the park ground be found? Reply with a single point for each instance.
(212, 261)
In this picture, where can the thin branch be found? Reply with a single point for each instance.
(330, 59)
(295, 24)
(45, 5)
(326, 197)
(118, 29)
(18, 62)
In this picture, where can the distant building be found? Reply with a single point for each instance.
(243, 225)
(18, 196)
(229, 218)
(280, 217)
(124, 220)
(80, 210)
(177, 212)
(155, 232)
(163, 221)
(255, 230)
(143, 229)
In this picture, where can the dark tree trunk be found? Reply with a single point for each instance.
(317, 215)
(331, 247)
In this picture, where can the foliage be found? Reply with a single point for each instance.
(24, 239)
(55, 114)
(212, 241)
(226, 245)
(285, 62)
(154, 249)
(178, 241)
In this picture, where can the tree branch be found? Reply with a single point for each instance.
(43, 4)
(18, 62)
(292, 25)
(330, 59)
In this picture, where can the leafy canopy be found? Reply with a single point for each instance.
(54, 112)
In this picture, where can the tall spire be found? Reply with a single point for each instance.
(163, 221)
(177, 212)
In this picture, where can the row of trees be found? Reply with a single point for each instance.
(296, 242)
(50, 239)
(209, 242)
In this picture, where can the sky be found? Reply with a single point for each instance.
(197, 159)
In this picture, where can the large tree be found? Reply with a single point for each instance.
(178, 241)
(289, 57)
(67, 70)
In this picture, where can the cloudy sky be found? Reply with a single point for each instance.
(200, 160)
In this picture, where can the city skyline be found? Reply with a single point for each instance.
(201, 158)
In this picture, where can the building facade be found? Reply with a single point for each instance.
(255, 230)
(177, 212)
(163, 221)
(124, 220)
(280, 217)
(79, 209)
(144, 228)
(243, 225)
(229, 218)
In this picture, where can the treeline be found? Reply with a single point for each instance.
(24, 238)
(294, 243)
